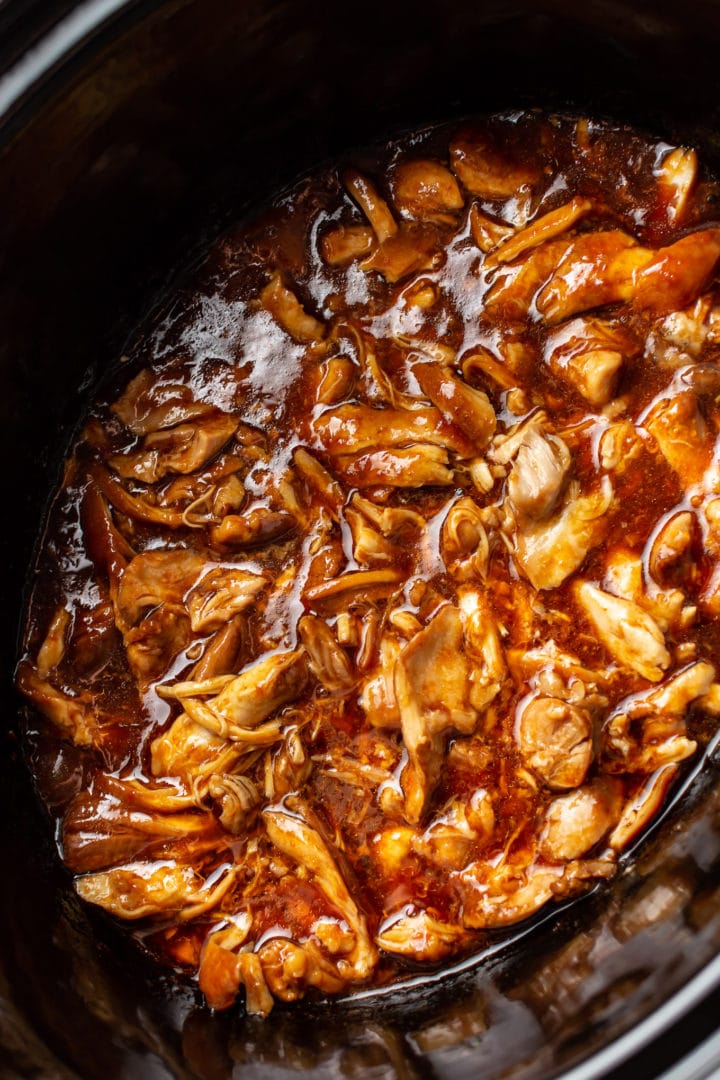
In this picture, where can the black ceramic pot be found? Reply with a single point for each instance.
(130, 132)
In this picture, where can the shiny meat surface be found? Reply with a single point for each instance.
(378, 607)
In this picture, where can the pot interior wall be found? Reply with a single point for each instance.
(163, 125)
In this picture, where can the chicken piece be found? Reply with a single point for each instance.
(74, 717)
(153, 644)
(370, 548)
(133, 506)
(328, 662)
(211, 493)
(548, 552)
(464, 541)
(620, 445)
(285, 308)
(289, 831)
(631, 635)
(609, 267)
(588, 353)
(576, 822)
(51, 652)
(514, 287)
(251, 697)
(189, 688)
(372, 204)
(255, 528)
(379, 387)
(426, 189)
(319, 480)
(487, 662)
(486, 232)
(710, 596)
(420, 937)
(354, 428)
(359, 774)
(494, 897)
(483, 363)
(242, 703)
(94, 638)
(547, 227)
(105, 544)
(459, 403)
(486, 170)
(414, 248)
(677, 425)
(336, 381)
(538, 475)
(216, 490)
(598, 268)
(290, 969)
(378, 700)
(625, 577)
(679, 338)
(143, 890)
(227, 497)
(223, 971)
(415, 466)
(238, 800)
(327, 558)
(288, 768)
(433, 350)
(393, 847)
(392, 521)
(363, 585)
(648, 730)
(154, 578)
(101, 829)
(480, 815)
(432, 682)
(642, 808)
(677, 274)
(181, 449)
(221, 594)
(449, 840)
(194, 754)
(532, 664)
(676, 175)
(346, 243)
(148, 404)
(133, 794)
(221, 974)
(556, 740)
(506, 444)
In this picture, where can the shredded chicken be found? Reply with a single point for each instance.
(631, 635)
(549, 551)
(140, 890)
(294, 836)
(426, 189)
(589, 354)
(555, 738)
(431, 685)
(220, 595)
(378, 600)
(485, 169)
(538, 475)
(181, 449)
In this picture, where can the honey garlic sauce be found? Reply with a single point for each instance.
(379, 605)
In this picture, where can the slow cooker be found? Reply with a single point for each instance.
(131, 132)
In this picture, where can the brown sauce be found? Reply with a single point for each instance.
(379, 605)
